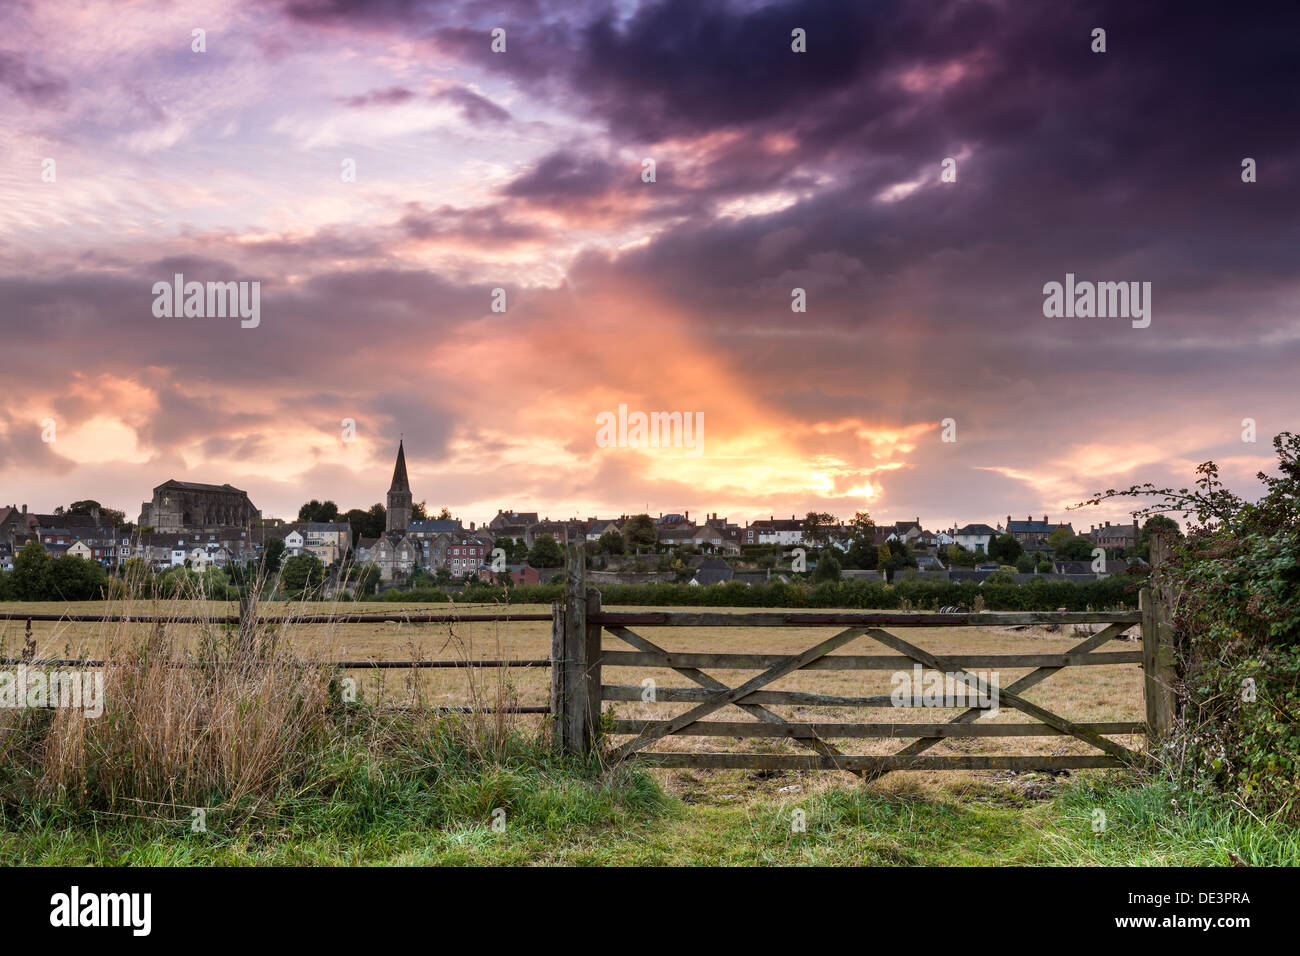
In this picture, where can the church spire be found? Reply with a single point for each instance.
(399, 495)
(400, 481)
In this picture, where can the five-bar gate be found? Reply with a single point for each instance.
(581, 651)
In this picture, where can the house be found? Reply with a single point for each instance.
(676, 535)
(1115, 535)
(975, 537)
(328, 540)
(395, 554)
(464, 553)
(905, 531)
(522, 574)
(713, 571)
(775, 531)
(81, 550)
(1033, 534)
(712, 534)
(597, 527)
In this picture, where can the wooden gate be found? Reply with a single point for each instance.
(580, 652)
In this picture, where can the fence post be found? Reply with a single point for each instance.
(592, 655)
(557, 677)
(1157, 648)
(575, 713)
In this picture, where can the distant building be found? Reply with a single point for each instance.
(975, 537)
(1031, 533)
(1115, 535)
(190, 505)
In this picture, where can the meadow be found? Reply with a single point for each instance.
(396, 783)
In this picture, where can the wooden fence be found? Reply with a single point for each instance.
(579, 653)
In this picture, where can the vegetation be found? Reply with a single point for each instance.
(1235, 582)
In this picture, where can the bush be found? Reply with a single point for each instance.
(1235, 580)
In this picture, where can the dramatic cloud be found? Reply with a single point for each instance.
(392, 183)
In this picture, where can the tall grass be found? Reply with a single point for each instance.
(251, 726)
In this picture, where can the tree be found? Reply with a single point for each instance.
(365, 579)
(1156, 524)
(89, 507)
(419, 511)
(611, 542)
(1056, 540)
(367, 523)
(817, 526)
(272, 555)
(1077, 548)
(318, 511)
(72, 578)
(516, 551)
(302, 575)
(31, 572)
(828, 569)
(545, 553)
(894, 556)
(1005, 549)
(1024, 564)
(639, 532)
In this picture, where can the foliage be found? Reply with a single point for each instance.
(318, 511)
(545, 553)
(1005, 549)
(639, 532)
(1235, 584)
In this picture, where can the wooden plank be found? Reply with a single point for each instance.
(1159, 648)
(724, 728)
(860, 618)
(591, 676)
(558, 723)
(688, 694)
(762, 713)
(577, 732)
(870, 765)
(852, 662)
(1008, 696)
(721, 699)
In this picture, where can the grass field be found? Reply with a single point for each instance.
(440, 810)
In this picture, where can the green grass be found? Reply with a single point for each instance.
(563, 813)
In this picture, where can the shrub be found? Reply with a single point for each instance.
(1235, 583)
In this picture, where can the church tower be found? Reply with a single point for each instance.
(399, 495)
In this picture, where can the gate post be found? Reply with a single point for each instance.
(570, 701)
(1157, 649)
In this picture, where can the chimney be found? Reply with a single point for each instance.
(24, 509)
(1045, 520)
(688, 516)
(1008, 522)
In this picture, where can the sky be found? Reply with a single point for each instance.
(923, 378)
